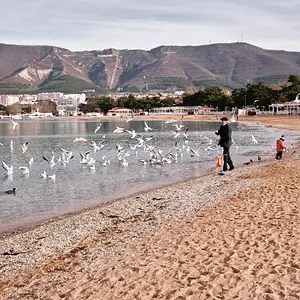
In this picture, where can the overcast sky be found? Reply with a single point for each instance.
(146, 24)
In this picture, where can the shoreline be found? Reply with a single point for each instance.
(121, 208)
(18, 229)
(99, 241)
(262, 120)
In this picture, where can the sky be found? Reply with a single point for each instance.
(145, 24)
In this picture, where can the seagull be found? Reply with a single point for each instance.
(105, 163)
(118, 130)
(8, 169)
(11, 146)
(98, 127)
(92, 167)
(30, 161)
(170, 121)
(249, 162)
(185, 132)
(44, 175)
(124, 162)
(254, 140)
(14, 123)
(147, 128)
(194, 151)
(84, 157)
(51, 177)
(176, 133)
(51, 162)
(148, 139)
(128, 120)
(178, 127)
(24, 147)
(80, 139)
(119, 147)
(11, 192)
(25, 170)
(133, 133)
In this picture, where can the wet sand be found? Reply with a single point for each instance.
(216, 237)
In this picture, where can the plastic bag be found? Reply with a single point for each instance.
(220, 161)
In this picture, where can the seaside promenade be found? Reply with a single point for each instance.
(215, 237)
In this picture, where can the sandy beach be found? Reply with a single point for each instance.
(214, 237)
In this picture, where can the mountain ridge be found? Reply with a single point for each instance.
(39, 68)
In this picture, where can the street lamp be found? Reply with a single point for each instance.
(246, 92)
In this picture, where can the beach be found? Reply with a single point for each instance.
(214, 237)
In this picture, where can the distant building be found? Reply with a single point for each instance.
(120, 112)
(9, 99)
(67, 105)
(27, 99)
(49, 96)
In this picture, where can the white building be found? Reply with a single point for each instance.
(50, 96)
(27, 99)
(68, 104)
(9, 99)
(178, 110)
(120, 112)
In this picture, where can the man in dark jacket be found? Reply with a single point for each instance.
(225, 141)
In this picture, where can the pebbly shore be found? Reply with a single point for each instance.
(145, 211)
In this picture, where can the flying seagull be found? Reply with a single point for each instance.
(254, 140)
(24, 147)
(8, 169)
(14, 123)
(98, 127)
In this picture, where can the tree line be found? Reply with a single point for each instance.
(253, 94)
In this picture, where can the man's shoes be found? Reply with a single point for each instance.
(231, 168)
(221, 172)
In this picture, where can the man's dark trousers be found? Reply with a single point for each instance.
(227, 159)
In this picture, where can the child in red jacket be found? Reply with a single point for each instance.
(280, 147)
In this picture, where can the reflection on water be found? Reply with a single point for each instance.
(77, 186)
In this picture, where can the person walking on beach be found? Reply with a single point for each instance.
(225, 141)
(280, 147)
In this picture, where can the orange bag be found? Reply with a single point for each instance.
(220, 161)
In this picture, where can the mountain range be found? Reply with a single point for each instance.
(50, 68)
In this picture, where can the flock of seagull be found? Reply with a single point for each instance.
(138, 143)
